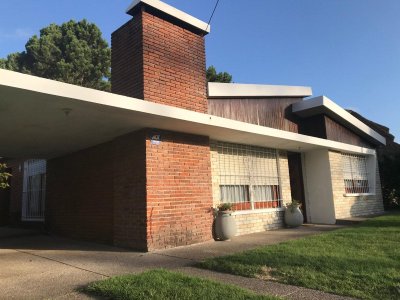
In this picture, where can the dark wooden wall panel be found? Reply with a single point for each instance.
(313, 126)
(271, 112)
(276, 113)
(339, 133)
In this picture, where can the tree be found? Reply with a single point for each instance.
(4, 176)
(12, 62)
(213, 76)
(389, 166)
(73, 52)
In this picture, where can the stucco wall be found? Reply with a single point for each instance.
(318, 187)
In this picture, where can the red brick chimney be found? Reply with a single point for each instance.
(159, 56)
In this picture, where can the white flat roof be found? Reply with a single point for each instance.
(323, 104)
(33, 122)
(172, 11)
(227, 90)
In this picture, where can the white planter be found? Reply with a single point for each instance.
(225, 225)
(293, 217)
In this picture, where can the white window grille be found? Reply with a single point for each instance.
(356, 175)
(34, 190)
(248, 176)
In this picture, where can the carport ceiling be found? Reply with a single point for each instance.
(42, 118)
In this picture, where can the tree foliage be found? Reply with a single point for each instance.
(4, 176)
(213, 76)
(73, 52)
(389, 168)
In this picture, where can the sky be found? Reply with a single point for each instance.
(347, 50)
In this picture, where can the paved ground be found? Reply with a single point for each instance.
(46, 267)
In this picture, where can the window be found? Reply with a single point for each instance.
(356, 175)
(34, 190)
(248, 176)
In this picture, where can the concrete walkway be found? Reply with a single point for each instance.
(48, 267)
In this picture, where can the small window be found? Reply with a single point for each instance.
(355, 173)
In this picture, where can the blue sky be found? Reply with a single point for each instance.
(348, 50)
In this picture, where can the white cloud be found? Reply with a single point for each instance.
(18, 33)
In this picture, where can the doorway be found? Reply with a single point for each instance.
(296, 180)
(34, 190)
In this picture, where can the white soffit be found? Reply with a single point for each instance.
(323, 105)
(173, 12)
(231, 90)
(43, 118)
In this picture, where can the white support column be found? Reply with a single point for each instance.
(318, 187)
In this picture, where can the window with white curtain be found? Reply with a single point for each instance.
(355, 174)
(248, 176)
(34, 190)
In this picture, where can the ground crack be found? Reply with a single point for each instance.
(60, 262)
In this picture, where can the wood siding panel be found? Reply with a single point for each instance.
(271, 112)
(324, 127)
(339, 133)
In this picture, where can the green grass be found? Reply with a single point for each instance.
(361, 261)
(162, 284)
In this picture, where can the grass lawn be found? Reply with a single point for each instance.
(362, 261)
(162, 284)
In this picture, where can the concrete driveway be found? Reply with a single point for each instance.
(40, 267)
(48, 267)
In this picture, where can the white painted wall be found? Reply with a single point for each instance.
(318, 187)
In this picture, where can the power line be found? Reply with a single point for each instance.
(209, 21)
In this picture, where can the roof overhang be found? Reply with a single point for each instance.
(323, 105)
(171, 13)
(41, 118)
(240, 90)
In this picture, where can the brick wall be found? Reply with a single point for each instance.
(133, 193)
(79, 194)
(99, 193)
(352, 206)
(179, 196)
(156, 60)
(174, 65)
(129, 180)
(256, 220)
(127, 59)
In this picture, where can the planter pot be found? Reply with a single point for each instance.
(225, 226)
(293, 217)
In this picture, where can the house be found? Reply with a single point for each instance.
(144, 174)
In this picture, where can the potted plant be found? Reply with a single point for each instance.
(293, 214)
(225, 224)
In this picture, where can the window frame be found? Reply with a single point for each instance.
(34, 190)
(253, 177)
(368, 174)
